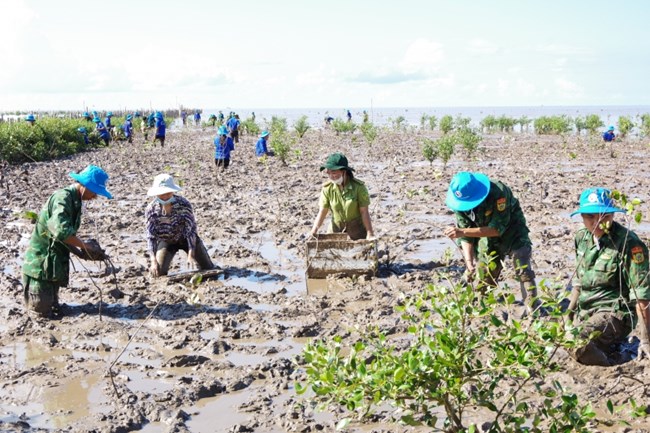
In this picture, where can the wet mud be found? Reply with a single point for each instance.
(159, 357)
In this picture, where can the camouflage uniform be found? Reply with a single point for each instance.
(501, 211)
(612, 275)
(47, 260)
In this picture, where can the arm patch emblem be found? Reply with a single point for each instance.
(637, 255)
(501, 204)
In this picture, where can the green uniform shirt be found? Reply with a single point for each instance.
(501, 211)
(611, 274)
(47, 257)
(344, 204)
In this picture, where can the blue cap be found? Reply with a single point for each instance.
(30, 118)
(93, 178)
(96, 119)
(109, 114)
(467, 190)
(129, 117)
(611, 128)
(158, 115)
(596, 201)
(94, 113)
(264, 134)
(223, 130)
(82, 129)
(86, 114)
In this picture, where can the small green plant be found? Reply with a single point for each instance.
(429, 150)
(249, 127)
(446, 124)
(423, 120)
(469, 139)
(645, 124)
(580, 124)
(301, 126)
(593, 123)
(398, 123)
(278, 125)
(553, 125)
(488, 123)
(343, 126)
(625, 125)
(369, 132)
(524, 123)
(506, 124)
(433, 122)
(282, 145)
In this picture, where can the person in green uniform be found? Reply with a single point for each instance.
(490, 225)
(347, 197)
(47, 260)
(611, 289)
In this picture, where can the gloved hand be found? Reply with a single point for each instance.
(91, 250)
(644, 351)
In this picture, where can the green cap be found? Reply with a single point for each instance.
(336, 161)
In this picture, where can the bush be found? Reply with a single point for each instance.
(550, 125)
(593, 124)
(625, 125)
(301, 126)
(461, 357)
(343, 126)
(446, 124)
(433, 122)
(278, 125)
(369, 132)
(49, 138)
(645, 124)
(488, 123)
(282, 145)
(249, 127)
(506, 124)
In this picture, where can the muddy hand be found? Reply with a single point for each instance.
(452, 232)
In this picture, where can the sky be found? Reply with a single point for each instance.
(77, 55)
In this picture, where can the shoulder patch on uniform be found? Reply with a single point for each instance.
(488, 212)
(637, 255)
(501, 204)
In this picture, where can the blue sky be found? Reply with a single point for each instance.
(298, 54)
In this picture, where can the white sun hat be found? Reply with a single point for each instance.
(163, 184)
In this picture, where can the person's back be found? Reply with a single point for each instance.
(609, 134)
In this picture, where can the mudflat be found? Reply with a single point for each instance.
(220, 356)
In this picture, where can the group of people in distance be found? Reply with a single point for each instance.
(611, 291)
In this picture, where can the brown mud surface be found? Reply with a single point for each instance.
(225, 363)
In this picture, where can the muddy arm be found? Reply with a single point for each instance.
(573, 301)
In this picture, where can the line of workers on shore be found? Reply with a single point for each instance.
(611, 291)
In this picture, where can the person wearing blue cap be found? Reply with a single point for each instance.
(233, 127)
(159, 128)
(102, 131)
(223, 145)
(261, 148)
(197, 118)
(611, 289)
(109, 124)
(46, 266)
(84, 133)
(128, 128)
(87, 117)
(490, 225)
(30, 119)
(609, 134)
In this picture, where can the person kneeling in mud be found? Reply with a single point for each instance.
(490, 226)
(348, 199)
(46, 267)
(612, 276)
(171, 227)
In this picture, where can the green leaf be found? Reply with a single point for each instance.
(637, 217)
(610, 406)
(399, 374)
(30, 215)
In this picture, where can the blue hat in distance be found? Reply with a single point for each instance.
(158, 115)
(596, 201)
(611, 128)
(30, 118)
(467, 190)
(82, 129)
(94, 113)
(264, 134)
(93, 178)
(109, 114)
(223, 130)
(129, 117)
(96, 119)
(86, 114)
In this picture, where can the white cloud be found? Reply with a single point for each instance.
(422, 55)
